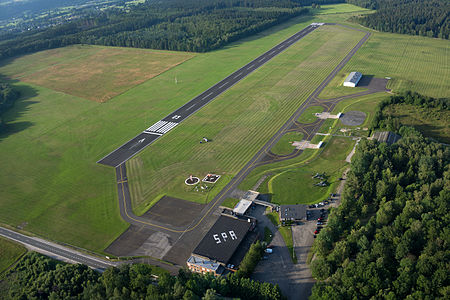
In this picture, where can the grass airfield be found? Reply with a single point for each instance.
(51, 185)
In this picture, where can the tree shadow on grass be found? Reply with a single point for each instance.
(21, 105)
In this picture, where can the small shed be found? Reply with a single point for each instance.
(352, 79)
(387, 137)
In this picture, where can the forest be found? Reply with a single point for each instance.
(185, 25)
(383, 121)
(40, 277)
(389, 238)
(416, 17)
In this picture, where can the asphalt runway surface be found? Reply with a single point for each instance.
(151, 134)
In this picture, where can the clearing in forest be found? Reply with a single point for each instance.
(96, 73)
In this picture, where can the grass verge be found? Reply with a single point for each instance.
(10, 252)
(284, 145)
(308, 115)
(230, 202)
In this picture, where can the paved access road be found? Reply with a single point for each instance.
(56, 251)
(151, 134)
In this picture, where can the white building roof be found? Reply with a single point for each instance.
(250, 195)
(353, 77)
(242, 206)
(203, 263)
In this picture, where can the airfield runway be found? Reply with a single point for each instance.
(151, 134)
(183, 239)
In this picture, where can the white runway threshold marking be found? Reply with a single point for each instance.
(160, 127)
(154, 133)
(156, 126)
(167, 127)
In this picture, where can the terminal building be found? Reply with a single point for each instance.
(352, 79)
(223, 247)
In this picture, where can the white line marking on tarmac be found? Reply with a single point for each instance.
(155, 133)
(223, 85)
(207, 95)
(190, 107)
(237, 75)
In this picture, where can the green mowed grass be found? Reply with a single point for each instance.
(10, 252)
(339, 9)
(239, 121)
(51, 184)
(296, 185)
(230, 202)
(366, 104)
(93, 72)
(308, 115)
(284, 145)
(414, 63)
(433, 123)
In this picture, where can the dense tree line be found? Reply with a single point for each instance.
(188, 25)
(384, 121)
(39, 277)
(7, 97)
(417, 17)
(389, 238)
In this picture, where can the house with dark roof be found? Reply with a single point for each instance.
(292, 212)
(217, 251)
(387, 137)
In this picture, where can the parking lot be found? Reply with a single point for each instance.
(295, 280)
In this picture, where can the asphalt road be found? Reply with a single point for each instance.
(56, 251)
(151, 134)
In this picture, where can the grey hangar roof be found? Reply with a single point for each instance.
(222, 240)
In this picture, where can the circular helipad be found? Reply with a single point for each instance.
(192, 180)
(353, 118)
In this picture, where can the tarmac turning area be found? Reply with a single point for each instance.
(327, 115)
(353, 118)
(306, 145)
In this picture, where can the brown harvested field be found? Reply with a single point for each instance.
(93, 72)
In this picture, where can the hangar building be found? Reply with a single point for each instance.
(352, 79)
(219, 249)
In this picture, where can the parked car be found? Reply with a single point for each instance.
(320, 223)
(268, 251)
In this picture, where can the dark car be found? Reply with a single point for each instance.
(320, 223)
